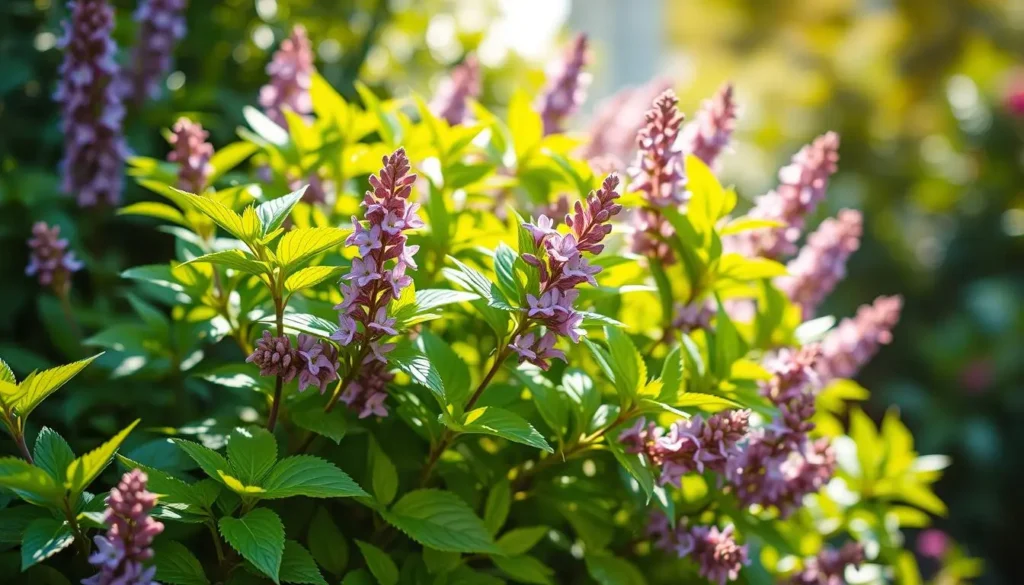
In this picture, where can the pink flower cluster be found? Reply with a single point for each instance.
(718, 556)
(801, 188)
(821, 263)
(291, 77)
(378, 275)
(846, 349)
(562, 268)
(780, 464)
(690, 445)
(829, 566)
(91, 108)
(49, 258)
(566, 87)
(121, 552)
(192, 152)
(708, 135)
(619, 118)
(161, 26)
(314, 362)
(451, 100)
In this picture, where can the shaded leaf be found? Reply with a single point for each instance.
(258, 537)
(44, 538)
(440, 520)
(306, 475)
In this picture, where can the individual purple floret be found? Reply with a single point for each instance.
(49, 260)
(821, 264)
(91, 108)
(122, 551)
(192, 152)
(451, 102)
(829, 566)
(718, 556)
(276, 357)
(291, 77)
(855, 341)
(802, 186)
(708, 135)
(619, 118)
(318, 362)
(161, 24)
(566, 87)
(367, 394)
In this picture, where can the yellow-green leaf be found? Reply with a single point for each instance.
(312, 276)
(230, 221)
(235, 259)
(30, 483)
(299, 245)
(524, 123)
(154, 209)
(83, 470)
(38, 385)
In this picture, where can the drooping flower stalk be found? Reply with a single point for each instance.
(161, 24)
(377, 277)
(821, 263)
(192, 152)
(291, 77)
(708, 135)
(122, 553)
(847, 348)
(451, 100)
(50, 260)
(566, 87)
(829, 566)
(802, 185)
(91, 108)
(562, 268)
(618, 119)
(718, 556)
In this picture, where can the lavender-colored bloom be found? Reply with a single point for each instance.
(855, 341)
(276, 357)
(802, 186)
(367, 394)
(710, 132)
(619, 118)
(658, 171)
(318, 363)
(121, 552)
(829, 566)
(932, 543)
(693, 316)
(192, 152)
(450, 103)
(566, 87)
(821, 264)
(161, 26)
(291, 77)
(49, 260)
(718, 556)
(538, 351)
(91, 108)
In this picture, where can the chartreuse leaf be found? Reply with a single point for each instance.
(524, 123)
(234, 259)
(39, 385)
(490, 420)
(524, 569)
(499, 501)
(739, 268)
(520, 540)
(6, 375)
(379, 563)
(306, 475)
(626, 363)
(217, 468)
(154, 209)
(229, 157)
(221, 215)
(298, 566)
(52, 453)
(259, 538)
(384, 475)
(42, 539)
(327, 543)
(251, 454)
(29, 482)
(176, 565)
(273, 213)
(608, 569)
(83, 470)
(440, 520)
(299, 245)
(312, 276)
(672, 382)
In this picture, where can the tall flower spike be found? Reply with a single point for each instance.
(49, 260)
(121, 553)
(619, 118)
(802, 186)
(708, 135)
(192, 153)
(291, 76)
(821, 264)
(451, 100)
(853, 343)
(91, 108)
(161, 24)
(658, 171)
(566, 87)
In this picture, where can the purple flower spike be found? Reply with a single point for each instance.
(121, 552)
(291, 76)
(49, 260)
(566, 87)
(161, 26)
(853, 343)
(718, 556)
(91, 108)
(659, 171)
(450, 103)
(192, 153)
(829, 566)
(821, 264)
(708, 135)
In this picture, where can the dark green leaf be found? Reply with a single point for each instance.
(306, 475)
(520, 540)
(440, 520)
(176, 565)
(524, 569)
(52, 453)
(42, 539)
(499, 501)
(259, 538)
(327, 543)
(251, 454)
(380, 564)
(490, 420)
(383, 473)
(298, 566)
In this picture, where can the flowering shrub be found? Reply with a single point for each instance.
(634, 390)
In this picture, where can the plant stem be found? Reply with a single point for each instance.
(216, 542)
(19, 438)
(279, 384)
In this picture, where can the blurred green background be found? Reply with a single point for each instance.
(920, 91)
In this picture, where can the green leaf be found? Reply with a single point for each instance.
(607, 569)
(627, 364)
(259, 538)
(154, 209)
(306, 475)
(229, 157)
(234, 259)
(6, 375)
(176, 565)
(312, 276)
(746, 224)
(305, 323)
(52, 453)
(298, 566)
(310, 415)
(633, 463)
(251, 453)
(439, 562)
(39, 385)
(221, 215)
(188, 502)
(327, 543)
(380, 564)
(44, 538)
(728, 345)
(738, 268)
(453, 370)
(504, 268)
(489, 420)
(472, 279)
(29, 482)
(273, 213)
(15, 519)
(266, 128)
(550, 403)
(672, 382)
(440, 520)
(524, 569)
(414, 362)
(82, 471)
(520, 540)
(384, 476)
(210, 461)
(499, 501)
(299, 245)
(359, 577)
(524, 123)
